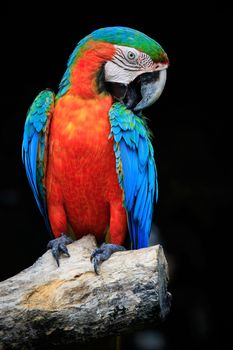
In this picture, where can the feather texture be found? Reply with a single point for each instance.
(136, 171)
(34, 147)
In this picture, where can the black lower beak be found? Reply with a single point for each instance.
(140, 93)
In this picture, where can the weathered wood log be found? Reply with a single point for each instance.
(46, 305)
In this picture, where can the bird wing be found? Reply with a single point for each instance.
(136, 171)
(35, 146)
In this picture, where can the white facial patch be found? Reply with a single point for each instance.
(127, 64)
(116, 74)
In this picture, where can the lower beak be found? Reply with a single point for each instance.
(152, 85)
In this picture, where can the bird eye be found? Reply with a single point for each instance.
(131, 55)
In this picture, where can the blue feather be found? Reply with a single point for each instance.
(139, 180)
(136, 171)
(140, 198)
(151, 173)
(130, 166)
(127, 138)
(133, 230)
(143, 236)
(143, 189)
(117, 137)
(143, 151)
(33, 154)
(116, 129)
(35, 129)
(146, 211)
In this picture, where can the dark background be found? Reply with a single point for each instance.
(192, 144)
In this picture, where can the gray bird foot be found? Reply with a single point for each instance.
(58, 246)
(103, 253)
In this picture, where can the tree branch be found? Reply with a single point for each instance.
(47, 305)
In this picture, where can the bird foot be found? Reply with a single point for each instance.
(58, 246)
(103, 253)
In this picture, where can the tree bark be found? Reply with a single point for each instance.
(47, 306)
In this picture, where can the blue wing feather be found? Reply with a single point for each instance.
(143, 151)
(136, 171)
(130, 166)
(33, 147)
(140, 200)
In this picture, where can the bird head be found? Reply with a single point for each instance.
(119, 61)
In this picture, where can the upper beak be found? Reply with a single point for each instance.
(152, 85)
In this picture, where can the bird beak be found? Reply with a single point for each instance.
(152, 85)
(142, 90)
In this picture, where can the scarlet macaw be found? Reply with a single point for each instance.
(87, 150)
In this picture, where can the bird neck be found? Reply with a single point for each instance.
(86, 69)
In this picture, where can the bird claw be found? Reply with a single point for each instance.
(103, 253)
(58, 247)
(95, 253)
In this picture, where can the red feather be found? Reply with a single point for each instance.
(82, 186)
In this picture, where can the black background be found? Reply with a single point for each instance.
(192, 142)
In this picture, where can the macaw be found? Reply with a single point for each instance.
(87, 150)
